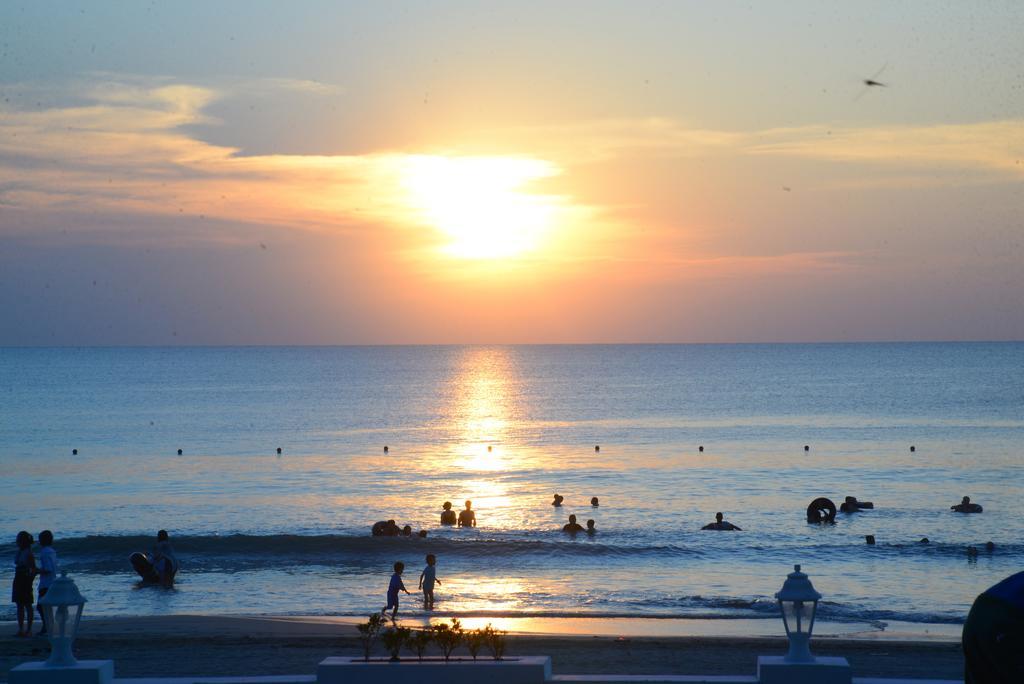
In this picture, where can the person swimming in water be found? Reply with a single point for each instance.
(851, 505)
(385, 528)
(591, 530)
(572, 527)
(595, 502)
(407, 531)
(721, 524)
(467, 518)
(558, 500)
(965, 506)
(448, 515)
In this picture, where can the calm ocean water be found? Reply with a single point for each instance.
(262, 533)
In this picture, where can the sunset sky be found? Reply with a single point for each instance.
(478, 172)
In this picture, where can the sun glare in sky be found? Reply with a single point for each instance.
(480, 204)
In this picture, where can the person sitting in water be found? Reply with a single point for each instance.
(165, 563)
(590, 527)
(467, 518)
(965, 506)
(720, 524)
(558, 500)
(407, 531)
(572, 527)
(851, 505)
(447, 515)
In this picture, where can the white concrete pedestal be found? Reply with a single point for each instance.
(82, 672)
(824, 670)
(512, 670)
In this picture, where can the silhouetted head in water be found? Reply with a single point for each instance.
(161, 535)
(46, 538)
(74, 452)
(989, 546)
(870, 538)
(701, 449)
(422, 534)
(399, 567)
(924, 540)
(597, 447)
(590, 526)
(558, 500)
(447, 505)
(718, 517)
(972, 551)
(806, 448)
(278, 451)
(24, 540)
(572, 519)
(179, 452)
(407, 531)
(469, 504)
(489, 448)
(966, 500)
(385, 448)
(594, 502)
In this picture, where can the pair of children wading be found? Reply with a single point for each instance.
(427, 580)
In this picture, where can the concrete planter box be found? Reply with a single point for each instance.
(511, 670)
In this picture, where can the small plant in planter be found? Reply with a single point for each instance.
(395, 638)
(448, 637)
(419, 641)
(368, 632)
(475, 640)
(495, 641)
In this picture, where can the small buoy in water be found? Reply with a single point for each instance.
(385, 448)
(179, 452)
(913, 448)
(807, 448)
(701, 448)
(597, 447)
(870, 538)
(489, 448)
(278, 451)
(74, 452)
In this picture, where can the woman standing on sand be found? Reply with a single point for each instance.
(24, 574)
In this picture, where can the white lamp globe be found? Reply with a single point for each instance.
(62, 607)
(798, 602)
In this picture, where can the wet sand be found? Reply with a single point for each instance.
(226, 646)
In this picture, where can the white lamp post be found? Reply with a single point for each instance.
(62, 606)
(799, 602)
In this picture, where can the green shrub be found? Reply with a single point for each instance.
(475, 640)
(495, 641)
(395, 639)
(448, 637)
(368, 632)
(419, 641)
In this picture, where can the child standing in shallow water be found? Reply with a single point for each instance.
(393, 589)
(427, 579)
(24, 575)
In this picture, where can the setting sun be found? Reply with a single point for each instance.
(479, 204)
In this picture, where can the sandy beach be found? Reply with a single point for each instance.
(224, 646)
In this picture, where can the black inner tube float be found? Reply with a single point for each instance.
(821, 510)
